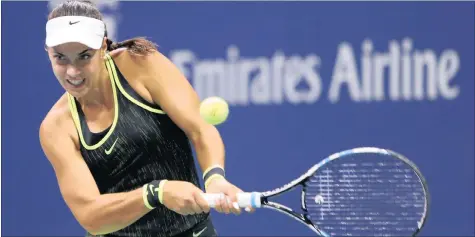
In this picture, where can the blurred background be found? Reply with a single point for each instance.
(304, 80)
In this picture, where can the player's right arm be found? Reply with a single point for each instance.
(97, 213)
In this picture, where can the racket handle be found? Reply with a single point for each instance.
(243, 199)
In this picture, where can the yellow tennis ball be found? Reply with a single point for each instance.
(214, 110)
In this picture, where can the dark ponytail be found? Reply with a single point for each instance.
(138, 45)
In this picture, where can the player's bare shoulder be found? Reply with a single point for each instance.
(137, 69)
(57, 124)
(133, 64)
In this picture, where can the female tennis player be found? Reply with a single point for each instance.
(119, 138)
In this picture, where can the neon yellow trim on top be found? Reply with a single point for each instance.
(74, 111)
(132, 99)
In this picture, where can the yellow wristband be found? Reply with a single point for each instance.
(160, 190)
(145, 197)
(210, 168)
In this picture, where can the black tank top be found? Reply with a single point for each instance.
(141, 145)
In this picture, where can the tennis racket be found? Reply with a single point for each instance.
(363, 191)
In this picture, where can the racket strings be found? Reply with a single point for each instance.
(370, 196)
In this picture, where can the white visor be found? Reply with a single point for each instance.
(80, 29)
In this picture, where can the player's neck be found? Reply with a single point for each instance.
(100, 95)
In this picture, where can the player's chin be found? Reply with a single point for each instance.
(76, 92)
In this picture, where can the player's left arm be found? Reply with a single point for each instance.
(166, 86)
(169, 88)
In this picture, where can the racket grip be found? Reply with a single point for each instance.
(243, 199)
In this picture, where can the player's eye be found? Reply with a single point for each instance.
(59, 57)
(84, 56)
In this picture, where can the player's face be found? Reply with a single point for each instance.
(76, 67)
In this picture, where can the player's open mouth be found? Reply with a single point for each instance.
(76, 82)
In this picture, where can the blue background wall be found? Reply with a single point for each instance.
(284, 132)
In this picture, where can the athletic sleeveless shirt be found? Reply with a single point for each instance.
(141, 145)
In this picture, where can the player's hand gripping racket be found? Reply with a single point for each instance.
(358, 192)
